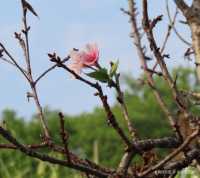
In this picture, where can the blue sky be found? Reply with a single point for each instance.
(61, 27)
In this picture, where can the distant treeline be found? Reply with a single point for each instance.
(89, 134)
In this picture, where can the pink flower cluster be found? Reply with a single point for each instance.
(84, 58)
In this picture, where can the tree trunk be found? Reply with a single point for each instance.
(195, 29)
(192, 14)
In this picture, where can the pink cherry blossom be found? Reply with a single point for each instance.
(91, 55)
(84, 58)
(76, 67)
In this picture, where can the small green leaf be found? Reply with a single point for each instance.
(100, 75)
(114, 68)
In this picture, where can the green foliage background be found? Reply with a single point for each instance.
(88, 128)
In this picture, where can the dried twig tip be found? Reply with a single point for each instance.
(26, 6)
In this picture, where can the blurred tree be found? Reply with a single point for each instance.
(147, 119)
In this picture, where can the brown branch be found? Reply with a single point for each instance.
(46, 158)
(172, 168)
(30, 146)
(173, 27)
(182, 5)
(194, 154)
(7, 61)
(170, 27)
(142, 146)
(57, 149)
(64, 136)
(137, 146)
(152, 71)
(110, 116)
(56, 59)
(158, 55)
(26, 45)
(124, 108)
(193, 20)
(160, 60)
(171, 155)
(125, 162)
(26, 49)
(126, 159)
(148, 144)
(134, 146)
(11, 63)
(49, 70)
(14, 61)
(128, 155)
(137, 42)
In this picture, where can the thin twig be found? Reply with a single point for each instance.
(29, 72)
(7, 61)
(49, 70)
(170, 27)
(111, 117)
(64, 136)
(124, 108)
(14, 62)
(174, 28)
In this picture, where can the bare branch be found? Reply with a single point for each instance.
(194, 154)
(172, 84)
(137, 42)
(25, 47)
(26, 6)
(46, 158)
(30, 146)
(64, 136)
(183, 141)
(171, 155)
(182, 6)
(170, 27)
(172, 22)
(110, 116)
(124, 108)
(49, 70)
(14, 61)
